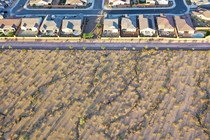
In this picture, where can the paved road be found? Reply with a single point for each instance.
(18, 10)
(108, 46)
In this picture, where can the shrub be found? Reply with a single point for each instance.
(1, 34)
(23, 137)
(84, 48)
(81, 121)
(98, 25)
(10, 34)
(88, 35)
(71, 47)
(103, 47)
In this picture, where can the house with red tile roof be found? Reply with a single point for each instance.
(166, 25)
(9, 25)
(118, 2)
(184, 25)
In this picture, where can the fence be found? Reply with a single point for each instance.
(202, 28)
(119, 39)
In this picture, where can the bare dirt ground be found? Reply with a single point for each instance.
(91, 26)
(108, 95)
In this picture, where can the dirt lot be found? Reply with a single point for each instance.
(129, 34)
(104, 95)
(91, 26)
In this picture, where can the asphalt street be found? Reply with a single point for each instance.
(19, 10)
(108, 46)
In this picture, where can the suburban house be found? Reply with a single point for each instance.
(166, 26)
(9, 26)
(50, 26)
(202, 13)
(146, 25)
(201, 2)
(155, 2)
(30, 26)
(71, 27)
(76, 2)
(40, 2)
(184, 25)
(128, 24)
(111, 27)
(163, 2)
(119, 2)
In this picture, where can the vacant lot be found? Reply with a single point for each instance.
(104, 95)
(91, 26)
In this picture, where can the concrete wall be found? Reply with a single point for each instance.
(118, 39)
(202, 28)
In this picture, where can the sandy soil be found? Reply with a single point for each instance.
(104, 95)
(91, 26)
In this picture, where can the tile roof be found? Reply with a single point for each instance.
(146, 22)
(76, 1)
(110, 23)
(184, 23)
(165, 22)
(50, 24)
(10, 22)
(74, 24)
(38, 1)
(128, 23)
(202, 11)
(31, 22)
